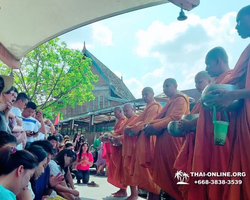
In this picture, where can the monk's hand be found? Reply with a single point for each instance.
(116, 140)
(148, 129)
(127, 130)
(105, 139)
(222, 99)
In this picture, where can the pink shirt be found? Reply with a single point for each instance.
(83, 165)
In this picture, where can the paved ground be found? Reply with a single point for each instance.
(103, 192)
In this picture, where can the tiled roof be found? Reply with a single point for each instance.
(193, 93)
(115, 83)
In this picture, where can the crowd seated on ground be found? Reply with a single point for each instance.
(42, 162)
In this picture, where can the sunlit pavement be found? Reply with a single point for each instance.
(103, 192)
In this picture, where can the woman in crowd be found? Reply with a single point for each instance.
(100, 163)
(61, 162)
(84, 162)
(7, 140)
(41, 155)
(16, 169)
(76, 141)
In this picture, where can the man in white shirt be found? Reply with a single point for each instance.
(20, 103)
(30, 124)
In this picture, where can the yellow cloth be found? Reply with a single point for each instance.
(57, 198)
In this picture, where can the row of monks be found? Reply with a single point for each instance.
(141, 153)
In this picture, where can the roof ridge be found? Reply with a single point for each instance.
(116, 84)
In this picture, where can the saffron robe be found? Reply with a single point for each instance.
(114, 175)
(239, 154)
(128, 146)
(144, 150)
(185, 156)
(207, 156)
(167, 146)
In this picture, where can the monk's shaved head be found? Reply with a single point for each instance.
(218, 52)
(245, 10)
(170, 87)
(203, 75)
(171, 81)
(118, 108)
(148, 89)
(243, 22)
(148, 94)
(202, 79)
(216, 62)
(129, 110)
(129, 105)
(118, 112)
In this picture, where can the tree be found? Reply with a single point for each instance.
(54, 76)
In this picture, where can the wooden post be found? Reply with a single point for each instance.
(103, 102)
(91, 123)
(98, 102)
(72, 126)
(88, 107)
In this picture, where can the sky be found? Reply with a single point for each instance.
(147, 46)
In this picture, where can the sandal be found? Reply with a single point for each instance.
(92, 184)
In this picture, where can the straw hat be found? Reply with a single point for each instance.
(8, 82)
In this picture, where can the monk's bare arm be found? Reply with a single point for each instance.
(179, 108)
(240, 94)
(151, 113)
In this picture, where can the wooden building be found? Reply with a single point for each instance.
(110, 91)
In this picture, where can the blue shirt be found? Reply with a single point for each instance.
(40, 185)
(6, 194)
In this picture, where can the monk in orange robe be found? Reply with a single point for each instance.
(240, 157)
(185, 157)
(128, 146)
(114, 156)
(167, 146)
(207, 156)
(140, 157)
(119, 175)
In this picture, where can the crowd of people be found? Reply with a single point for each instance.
(37, 163)
(140, 153)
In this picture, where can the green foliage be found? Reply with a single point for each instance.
(54, 76)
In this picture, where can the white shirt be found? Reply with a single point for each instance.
(18, 113)
(54, 170)
(31, 124)
(40, 136)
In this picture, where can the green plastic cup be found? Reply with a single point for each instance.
(220, 129)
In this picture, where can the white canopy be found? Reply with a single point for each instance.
(26, 24)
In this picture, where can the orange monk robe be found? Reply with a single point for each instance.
(128, 146)
(208, 157)
(145, 145)
(240, 156)
(185, 157)
(144, 149)
(167, 146)
(115, 157)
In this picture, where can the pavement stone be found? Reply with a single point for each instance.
(103, 192)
